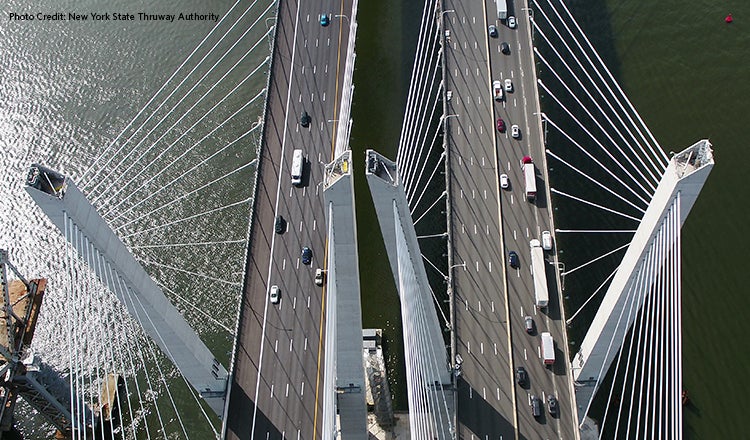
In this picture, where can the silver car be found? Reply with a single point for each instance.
(275, 294)
(512, 22)
(515, 131)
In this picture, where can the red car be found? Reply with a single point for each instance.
(500, 125)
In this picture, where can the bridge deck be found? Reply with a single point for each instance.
(487, 222)
(277, 378)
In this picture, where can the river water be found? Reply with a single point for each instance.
(68, 88)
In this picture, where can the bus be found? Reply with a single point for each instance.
(298, 162)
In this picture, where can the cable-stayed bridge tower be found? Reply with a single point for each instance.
(69, 210)
(427, 366)
(650, 267)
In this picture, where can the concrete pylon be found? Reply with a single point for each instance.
(427, 365)
(65, 205)
(684, 177)
(344, 300)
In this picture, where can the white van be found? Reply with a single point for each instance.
(297, 164)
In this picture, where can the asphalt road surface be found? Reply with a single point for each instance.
(277, 374)
(491, 297)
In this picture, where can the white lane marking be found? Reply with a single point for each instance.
(302, 390)
(455, 72)
(473, 194)
(487, 228)
(460, 160)
(468, 347)
(477, 264)
(286, 394)
(483, 165)
(484, 393)
(300, 226)
(290, 344)
(312, 97)
(303, 67)
(305, 349)
(471, 392)
(495, 347)
(308, 301)
(294, 303)
(511, 74)
(512, 199)
(315, 223)
(527, 232)
(475, 229)
(317, 42)
(315, 68)
(514, 235)
(522, 311)
(297, 263)
(489, 266)
(492, 307)
(276, 346)
(466, 304)
(497, 391)
(478, 71)
(329, 41)
(476, 45)
(271, 391)
(515, 102)
(290, 190)
(283, 263)
(304, 191)
(481, 347)
(326, 71)
(474, 20)
(525, 356)
(479, 309)
(539, 351)
(324, 96)
(463, 228)
(461, 193)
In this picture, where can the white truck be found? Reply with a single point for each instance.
(548, 349)
(541, 295)
(529, 176)
(502, 9)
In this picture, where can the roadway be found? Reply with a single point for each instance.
(487, 222)
(276, 383)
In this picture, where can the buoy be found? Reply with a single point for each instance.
(729, 19)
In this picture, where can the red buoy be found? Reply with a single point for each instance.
(728, 19)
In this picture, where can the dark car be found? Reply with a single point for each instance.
(552, 404)
(536, 406)
(280, 225)
(304, 119)
(513, 259)
(505, 48)
(522, 377)
(306, 255)
(500, 125)
(324, 20)
(493, 31)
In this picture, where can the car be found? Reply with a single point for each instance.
(500, 125)
(536, 406)
(508, 85)
(304, 119)
(546, 241)
(275, 294)
(528, 324)
(280, 225)
(504, 183)
(522, 377)
(497, 90)
(515, 131)
(505, 48)
(306, 255)
(513, 259)
(493, 31)
(512, 22)
(552, 404)
(319, 276)
(324, 20)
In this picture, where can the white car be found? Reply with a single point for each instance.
(508, 85)
(546, 241)
(497, 90)
(515, 131)
(275, 294)
(504, 183)
(512, 22)
(319, 277)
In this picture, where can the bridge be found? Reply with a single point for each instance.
(296, 365)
